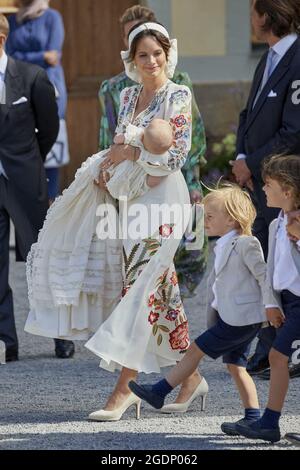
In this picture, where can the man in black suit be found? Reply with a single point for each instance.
(270, 123)
(29, 126)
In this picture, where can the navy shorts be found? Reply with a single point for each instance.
(231, 342)
(290, 330)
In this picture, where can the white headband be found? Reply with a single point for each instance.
(130, 69)
(144, 27)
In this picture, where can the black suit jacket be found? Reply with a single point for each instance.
(273, 125)
(27, 133)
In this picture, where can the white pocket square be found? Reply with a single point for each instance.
(272, 94)
(20, 101)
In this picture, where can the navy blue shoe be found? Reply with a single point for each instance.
(253, 430)
(231, 428)
(145, 393)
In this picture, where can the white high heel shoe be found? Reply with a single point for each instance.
(201, 391)
(116, 415)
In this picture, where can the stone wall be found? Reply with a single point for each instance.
(220, 105)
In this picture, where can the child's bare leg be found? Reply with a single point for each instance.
(279, 382)
(186, 367)
(245, 386)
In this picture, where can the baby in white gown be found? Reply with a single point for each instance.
(128, 179)
(65, 268)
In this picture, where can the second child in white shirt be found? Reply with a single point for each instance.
(282, 187)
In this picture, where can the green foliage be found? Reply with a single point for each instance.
(222, 153)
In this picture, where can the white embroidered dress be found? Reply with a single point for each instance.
(143, 326)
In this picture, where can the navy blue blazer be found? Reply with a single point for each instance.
(273, 125)
(22, 149)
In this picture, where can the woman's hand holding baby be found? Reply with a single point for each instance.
(118, 154)
(102, 181)
(119, 139)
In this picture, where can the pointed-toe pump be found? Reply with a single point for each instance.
(201, 391)
(116, 415)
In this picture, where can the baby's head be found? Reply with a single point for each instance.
(158, 137)
(281, 175)
(228, 208)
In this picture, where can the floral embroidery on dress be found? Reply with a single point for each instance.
(178, 97)
(179, 338)
(174, 279)
(153, 317)
(179, 121)
(146, 116)
(166, 230)
(166, 312)
(132, 271)
(172, 315)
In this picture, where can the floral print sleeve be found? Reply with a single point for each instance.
(179, 114)
(196, 159)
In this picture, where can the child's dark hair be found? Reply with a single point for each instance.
(286, 170)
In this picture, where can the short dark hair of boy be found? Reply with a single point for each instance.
(4, 25)
(286, 170)
(282, 16)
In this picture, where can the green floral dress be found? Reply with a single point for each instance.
(190, 265)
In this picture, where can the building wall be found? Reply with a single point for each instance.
(214, 39)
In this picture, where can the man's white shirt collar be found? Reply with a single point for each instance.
(282, 46)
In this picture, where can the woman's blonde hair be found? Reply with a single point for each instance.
(237, 203)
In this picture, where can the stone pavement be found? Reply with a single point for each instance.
(44, 401)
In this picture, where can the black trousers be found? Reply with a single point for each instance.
(10, 209)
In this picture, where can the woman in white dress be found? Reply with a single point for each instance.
(149, 329)
(145, 327)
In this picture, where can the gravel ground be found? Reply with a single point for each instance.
(44, 401)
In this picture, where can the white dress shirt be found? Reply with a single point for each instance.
(218, 252)
(286, 276)
(279, 49)
(3, 66)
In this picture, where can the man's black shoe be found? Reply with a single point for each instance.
(64, 349)
(255, 366)
(294, 371)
